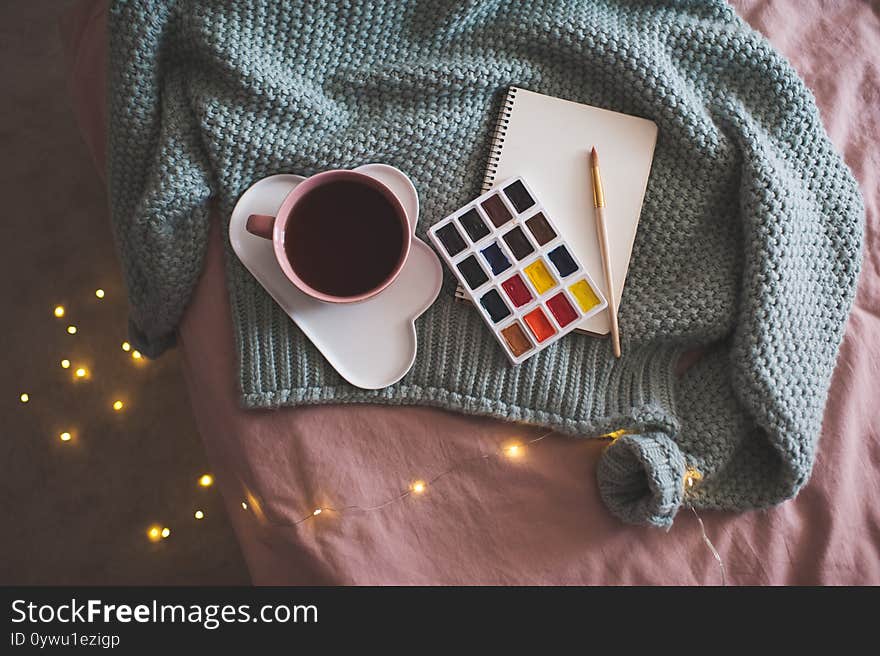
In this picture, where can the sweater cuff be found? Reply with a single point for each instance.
(641, 478)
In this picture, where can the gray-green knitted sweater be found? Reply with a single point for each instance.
(749, 242)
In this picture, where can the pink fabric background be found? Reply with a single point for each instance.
(538, 520)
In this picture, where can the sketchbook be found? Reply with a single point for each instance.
(547, 141)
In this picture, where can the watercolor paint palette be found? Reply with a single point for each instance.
(522, 276)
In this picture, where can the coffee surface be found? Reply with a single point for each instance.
(344, 238)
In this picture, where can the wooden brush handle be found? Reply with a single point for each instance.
(609, 279)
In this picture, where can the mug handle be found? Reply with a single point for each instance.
(260, 225)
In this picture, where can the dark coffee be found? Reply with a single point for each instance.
(344, 238)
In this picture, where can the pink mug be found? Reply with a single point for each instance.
(340, 236)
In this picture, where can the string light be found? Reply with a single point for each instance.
(417, 487)
(99, 293)
(24, 398)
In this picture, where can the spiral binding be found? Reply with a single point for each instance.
(498, 138)
(495, 147)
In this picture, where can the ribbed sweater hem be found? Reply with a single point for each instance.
(639, 395)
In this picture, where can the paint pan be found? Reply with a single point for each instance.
(540, 229)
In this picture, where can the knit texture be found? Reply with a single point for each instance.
(748, 247)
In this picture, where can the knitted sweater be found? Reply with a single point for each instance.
(748, 246)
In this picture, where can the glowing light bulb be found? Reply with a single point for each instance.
(65, 436)
(126, 347)
(99, 293)
(419, 487)
(71, 330)
(118, 405)
(692, 476)
(65, 364)
(166, 532)
(82, 372)
(24, 398)
(154, 533)
(513, 450)
(136, 355)
(206, 480)
(59, 311)
(317, 511)
(244, 505)
(199, 514)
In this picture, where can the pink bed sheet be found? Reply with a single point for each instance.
(537, 520)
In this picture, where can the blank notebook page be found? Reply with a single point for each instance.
(548, 142)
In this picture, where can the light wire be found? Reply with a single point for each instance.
(711, 546)
(409, 491)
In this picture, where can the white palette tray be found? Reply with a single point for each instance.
(487, 253)
(372, 344)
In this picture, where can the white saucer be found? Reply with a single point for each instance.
(372, 344)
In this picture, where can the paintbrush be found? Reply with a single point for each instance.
(599, 204)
